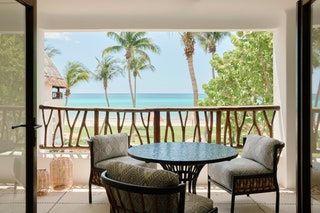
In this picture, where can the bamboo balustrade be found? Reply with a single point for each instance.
(70, 127)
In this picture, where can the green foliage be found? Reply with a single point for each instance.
(315, 47)
(75, 72)
(245, 74)
(134, 44)
(12, 69)
(51, 51)
(107, 69)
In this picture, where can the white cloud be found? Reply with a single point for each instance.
(57, 35)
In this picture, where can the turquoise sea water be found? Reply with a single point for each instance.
(143, 100)
(124, 100)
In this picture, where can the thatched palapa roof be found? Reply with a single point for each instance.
(52, 75)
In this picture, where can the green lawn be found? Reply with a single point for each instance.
(177, 133)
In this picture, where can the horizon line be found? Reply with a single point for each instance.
(136, 93)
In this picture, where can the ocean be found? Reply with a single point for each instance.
(123, 100)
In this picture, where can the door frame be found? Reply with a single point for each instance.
(31, 103)
(304, 84)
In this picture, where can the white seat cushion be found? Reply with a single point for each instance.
(125, 159)
(224, 171)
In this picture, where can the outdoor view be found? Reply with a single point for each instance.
(162, 63)
(165, 69)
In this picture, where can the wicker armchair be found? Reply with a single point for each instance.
(254, 172)
(106, 148)
(140, 189)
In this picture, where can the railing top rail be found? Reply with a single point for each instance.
(151, 109)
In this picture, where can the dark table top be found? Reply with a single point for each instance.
(183, 153)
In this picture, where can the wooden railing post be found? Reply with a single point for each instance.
(96, 122)
(156, 126)
(218, 127)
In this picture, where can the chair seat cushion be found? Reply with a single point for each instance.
(197, 204)
(223, 172)
(125, 159)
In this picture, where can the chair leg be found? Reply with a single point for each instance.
(15, 187)
(215, 210)
(90, 192)
(277, 200)
(232, 203)
(209, 189)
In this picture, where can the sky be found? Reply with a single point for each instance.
(171, 73)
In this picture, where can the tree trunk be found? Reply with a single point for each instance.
(212, 70)
(195, 92)
(130, 83)
(105, 87)
(67, 93)
(135, 91)
(106, 96)
(193, 81)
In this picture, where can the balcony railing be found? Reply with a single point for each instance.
(70, 127)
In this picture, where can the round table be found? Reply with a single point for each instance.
(184, 158)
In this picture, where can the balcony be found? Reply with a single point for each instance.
(66, 130)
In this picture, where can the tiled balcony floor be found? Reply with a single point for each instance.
(76, 200)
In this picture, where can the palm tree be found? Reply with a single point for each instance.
(137, 65)
(51, 51)
(134, 44)
(106, 70)
(74, 73)
(188, 39)
(208, 41)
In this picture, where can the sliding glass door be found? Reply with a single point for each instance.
(308, 165)
(17, 140)
(315, 133)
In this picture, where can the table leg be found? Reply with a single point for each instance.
(188, 174)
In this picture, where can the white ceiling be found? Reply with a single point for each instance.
(161, 14)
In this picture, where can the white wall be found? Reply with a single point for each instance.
(80, 161)
(285, 96)
(81, 166)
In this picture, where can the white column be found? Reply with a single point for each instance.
(285, 95)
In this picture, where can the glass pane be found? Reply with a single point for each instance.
(12, 106)
(315, 143)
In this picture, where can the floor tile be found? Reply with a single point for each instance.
(12, 207)
(79, 208)
(76, 200)
(51, 197)
(44, 207)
